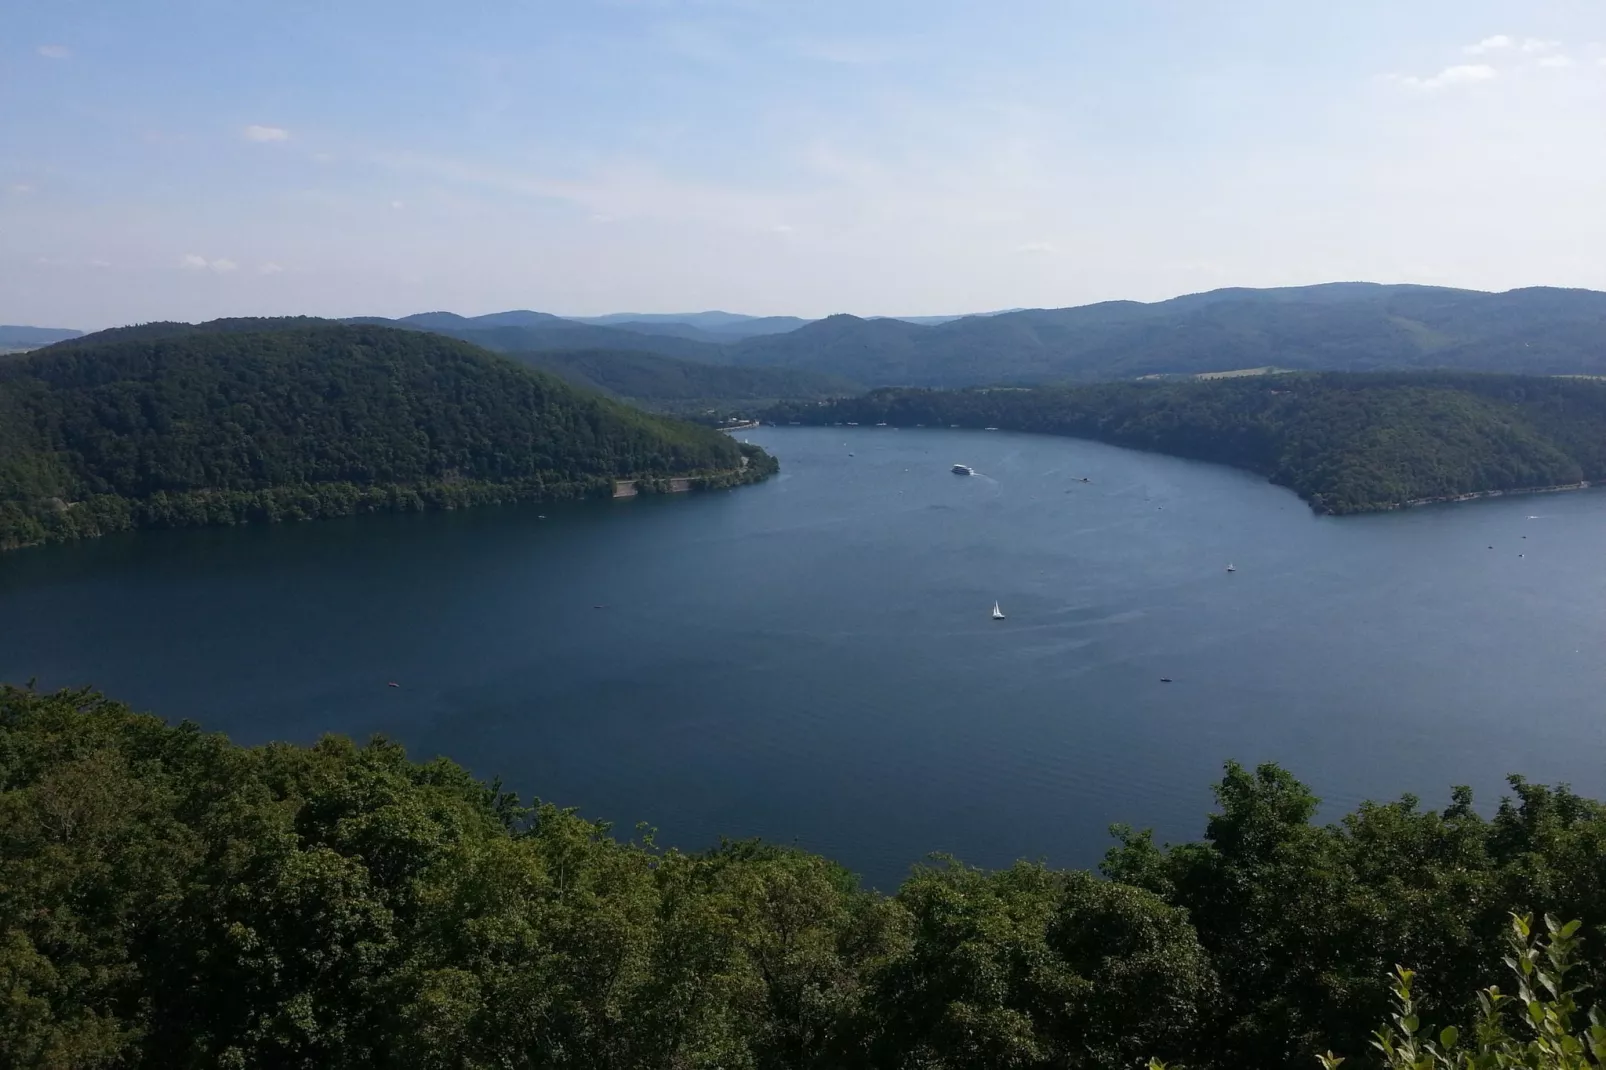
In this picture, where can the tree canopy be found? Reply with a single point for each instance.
(169, 899)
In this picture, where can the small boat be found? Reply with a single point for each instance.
(1165, 679)
(393, 684)
(989, 429)
(1232, 568)
(962, 470)
(882, 424)
(998, 614)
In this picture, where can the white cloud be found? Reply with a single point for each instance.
(1036, 247)
(21, 189)
(1489, 44)
(269, 268)
(54, 51)
(1462, 74)
(1556, 61)
(1534, 44)
(197, 262)
(266, 133)
(783, 228)
(98, 262)
(398, 204)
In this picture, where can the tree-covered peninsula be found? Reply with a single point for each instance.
(172, 424)
(169, 899)
(1344, 442)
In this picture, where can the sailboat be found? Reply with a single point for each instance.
(998, 614)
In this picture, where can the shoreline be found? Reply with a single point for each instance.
(1582, 484)
(1312, 502)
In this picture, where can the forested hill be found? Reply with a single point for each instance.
(1335, 327)
(166, 425)
(169, 900)
(1344, 442)
(667, 384)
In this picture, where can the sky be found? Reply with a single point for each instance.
(188, 159)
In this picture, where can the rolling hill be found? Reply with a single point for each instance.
(667, 384)
(709, 326)
(1338, 327)
(534, 332)
(14, 337)
(249, 420)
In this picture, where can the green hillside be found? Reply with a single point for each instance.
(242, 420)
(1344, 442)
(1337, 327)
(656, 381)
(508, 333)
(170, 900)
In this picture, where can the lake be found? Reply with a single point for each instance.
(812, 660)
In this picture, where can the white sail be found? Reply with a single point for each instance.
(998, 614)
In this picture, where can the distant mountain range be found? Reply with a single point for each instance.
(1352, 326)
(1349, 326)
(1337, 327)
(14, 337)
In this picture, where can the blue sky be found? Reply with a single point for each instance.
(185, 159)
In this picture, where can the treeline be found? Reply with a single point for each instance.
(1345, 442)
(168, 899)
(166, 425)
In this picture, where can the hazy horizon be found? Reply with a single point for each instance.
(182, 161)
(728, 311)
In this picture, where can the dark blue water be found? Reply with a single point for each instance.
(813, 659)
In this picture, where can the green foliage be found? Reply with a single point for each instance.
(1345, 443)
(169, 425)
(1544, 1008)
(661, 382)
(168, 899)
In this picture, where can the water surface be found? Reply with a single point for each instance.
(812, 659)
